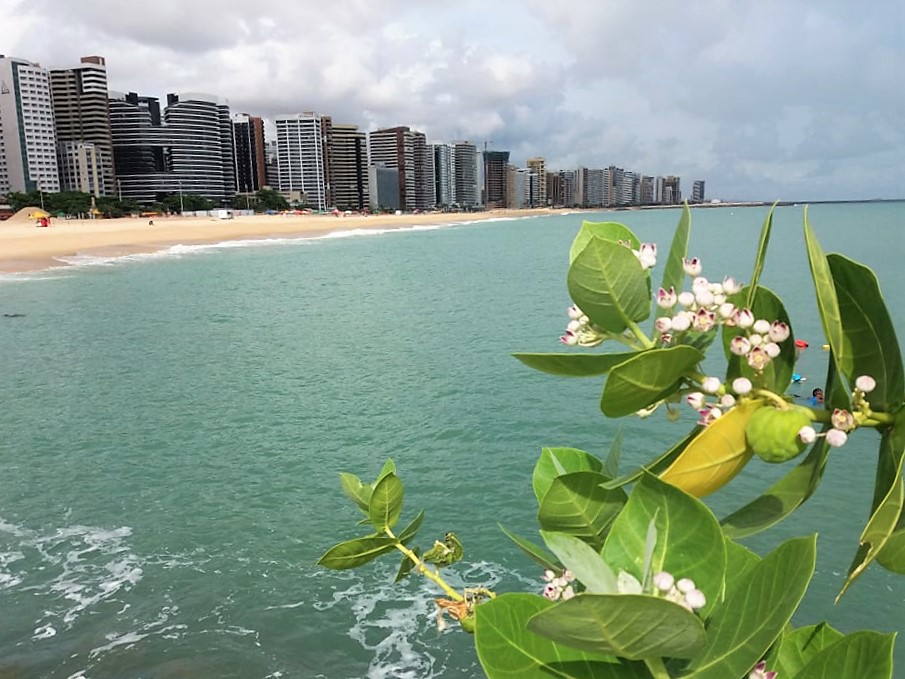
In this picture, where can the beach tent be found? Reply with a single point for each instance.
(38, 214)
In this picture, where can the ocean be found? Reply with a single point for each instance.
(174, 426)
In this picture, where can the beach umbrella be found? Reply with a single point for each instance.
(38, 214)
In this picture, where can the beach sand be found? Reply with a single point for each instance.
(25, 247)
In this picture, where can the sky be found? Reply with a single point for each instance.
(764, 100)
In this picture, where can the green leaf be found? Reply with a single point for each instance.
(386, 502)
(354, 553)
(611, 231)
(797, 648)
(777, 375)
(359, 492)
(761, 255)
(656, 465)
(689, 540)
(578, 504)
(828, 305)
(406, 566)
(633, 626)
(507, 650)
(674, 269)
(889, 498)
(555, 462)
(611, 466)
(389, 467)
(756, 610)
(584, 562)
(716, 455)
(861, 654)
(540, 555)
(412, 529)
(646, 378)
(574, 365)
(607, 282)
(782, 498)
(738, 561)
(871, 347)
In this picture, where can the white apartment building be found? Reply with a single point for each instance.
(301, 158)
(445, 173)
(27, 133)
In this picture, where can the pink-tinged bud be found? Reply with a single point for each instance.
(685, 585)
(758, 358)
(726, 310)
(744, 318)
(741, 385)
(692, 266)
(761, 326)
(836, 438)
(779, 331)
(663, 324)
(703, 320)
(695, 599)
(727, 401)
(716, 288)
(711, 384)
(703, 297)
(740, 346)
(575, 313)
(731, 286)
(807, 434)
(760, 672)
(667, 300)
(842, 419)
(550, 591)
(686, 298)
(719, 299)
(549, 575)
(866, 383)
(700, 283)
(681, 322)
(755, 339)
(649, 250)
(772, 349)
(695, 399)
(570, 339)
(666, 338)
(574, 326)
(664, 581)
(567, 593)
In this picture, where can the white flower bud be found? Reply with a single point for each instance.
(695, 399)
(727, 401)
(695, 599)
(569, 339)
(716, 288)
(779, 331)
(573, 326)
(575, 313)
(686, 298)
(685, 585)
(745, 318)
(664, 581)
(807, 434)
(663, 324)
(730, 285)
(836, 438)
(681, 322)
(726, 310)
(866, 383)
(755, 339)
(739, 345)
(700, 283)
(711, 384)
(741, 385)
(567, 593)
(719, 299)
(703, 297)
(692, 266)
(772, 349)
(761, 326)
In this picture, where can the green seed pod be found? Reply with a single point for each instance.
(773, 433)
(468, 623)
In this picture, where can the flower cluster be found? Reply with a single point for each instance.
(760, 339)
(760, 672)
(710, 411)
(558, 587)
(580, 331)
(682, 592)
(842, 420)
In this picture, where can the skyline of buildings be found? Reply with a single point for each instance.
(62, 129)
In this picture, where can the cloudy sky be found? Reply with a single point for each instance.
(765, 99)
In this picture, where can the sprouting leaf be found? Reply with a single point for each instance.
(389, 467)
(645, 378)
(354, 553)
(507, 650)
(539, 554)
(611, 231)
(633, 626)
(761, 256)
(574, 365)
(584, 562)
(386, 502)
(411, 530)
(407, 565)
(674, 269)
(359, 492)
(555, 462)
(716, 455)
(609, 285)
(578, 504)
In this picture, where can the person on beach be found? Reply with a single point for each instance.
(816, 397)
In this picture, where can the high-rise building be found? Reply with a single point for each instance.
(539, 166)
(466, 174)
(188, 150)
(589, 187)
(518, 188)
(248, 151)
(383, 187)
(445, 174)
(407, 151)
(697, 191)
(271, 164)
(496, 167)
(561, 188)
(84, 140)
(672, 193)
(349, 167)
(303, 141)
(29, 158)
(647, 190)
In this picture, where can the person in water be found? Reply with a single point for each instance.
(816, 397)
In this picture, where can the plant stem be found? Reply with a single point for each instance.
(646, 341)
(423, 568)
(770, 396)
(657, 668)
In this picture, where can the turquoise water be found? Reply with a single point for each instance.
(173, 429)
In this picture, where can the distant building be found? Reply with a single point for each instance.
(383, 187)
(303, 158)
(444, 174)
(407, 151)
(249, 153)
(28, 141)
(589, 187)
(697, 191)
(647, 190)
(84, 139)
(518, 187)
(539, 167)
(672, 193)
(271, 164)
(349, 167)
(466, 174)
(496, 166)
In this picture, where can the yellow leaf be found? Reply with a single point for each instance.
(715, 455)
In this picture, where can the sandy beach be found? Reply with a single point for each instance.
(25, 247)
